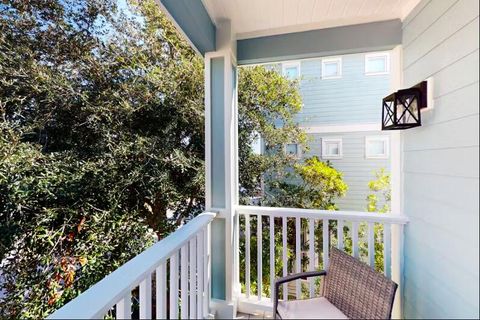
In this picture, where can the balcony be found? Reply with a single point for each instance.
(172, 278)
(218, 264)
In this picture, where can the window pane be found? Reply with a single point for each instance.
(257, 146)
(376, 148)
(291, 149)
(333, 149)
(291, 73)
(330, 69)
(377, 64)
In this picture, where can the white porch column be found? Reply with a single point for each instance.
(396, 165)
(222, 168)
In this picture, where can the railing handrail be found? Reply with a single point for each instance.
(357, 216)
(98, 299)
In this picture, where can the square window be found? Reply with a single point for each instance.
(292, 149)
(332, 149)
(377, 147)
(291, 70)
(377, 63)
(331, 68)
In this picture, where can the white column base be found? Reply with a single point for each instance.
(221, 309)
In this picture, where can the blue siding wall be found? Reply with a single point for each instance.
(354, 98)
(357, 170)
(441, 172)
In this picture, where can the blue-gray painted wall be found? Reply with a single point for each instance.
(357, 170)
(441, 171)
(218, 176)
(192, 17)
(355, 98)
(382, 35)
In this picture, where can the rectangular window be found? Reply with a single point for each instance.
(377, 63)
(332, 148)
(332, 68)
(291, 70)
(377, 147)
(292, 149)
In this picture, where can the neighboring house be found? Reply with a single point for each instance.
(342, 100)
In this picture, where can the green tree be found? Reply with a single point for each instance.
(267, 104)
(101, 120)
(313, 184)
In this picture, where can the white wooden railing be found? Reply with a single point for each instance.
(184, 256)
(299, 228)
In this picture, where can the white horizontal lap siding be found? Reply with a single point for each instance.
(441, 175)
(352, 98)
(357, 170)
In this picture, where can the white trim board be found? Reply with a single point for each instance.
(343, 128)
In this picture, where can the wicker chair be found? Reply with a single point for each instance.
(351, 289)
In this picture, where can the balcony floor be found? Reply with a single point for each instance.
(259, 315)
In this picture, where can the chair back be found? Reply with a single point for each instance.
(356, 289)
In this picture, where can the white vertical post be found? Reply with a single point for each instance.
(124, 307)
(161, 291)
(272, 256)
(326, 239)
(397, 174)
(284, 255)
(193, 278)
(206, 271)
(298, 258)
(355, 239)
(340, 234)
(311, 254)
(200, 289)
(259, 257)
(247, 255)
(371, 245)
(184, 282)
(146, 298)
(174, 286)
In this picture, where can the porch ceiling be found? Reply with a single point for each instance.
(258, 18)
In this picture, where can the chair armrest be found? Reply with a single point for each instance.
(290, 278)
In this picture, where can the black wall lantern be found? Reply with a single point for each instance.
(401, 109)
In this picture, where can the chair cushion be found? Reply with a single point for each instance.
(316, 308)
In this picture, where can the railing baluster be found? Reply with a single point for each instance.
(193, 279)
(174, 286)
(206, 271)
(247, 255)
(284, 256)
(146, 298)
(371, 245)
(259, 257)
(311, 254)
(298, 259)
(124, 307)
(272, 256)
(200, 257)
(355, 239)
(340, 234)
(387, 254)
(184, 282)
(161, 291)
(325, 234)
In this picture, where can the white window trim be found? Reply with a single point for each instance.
(324, 148)
(330, 60)
(385, 140)
(377, 55)
(299, 149)
(290, 64)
